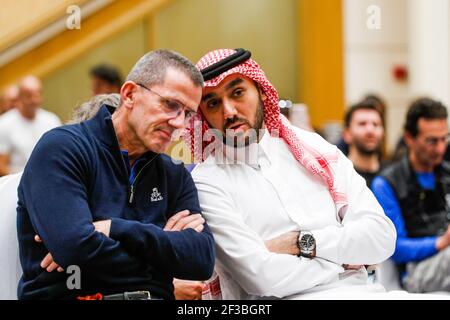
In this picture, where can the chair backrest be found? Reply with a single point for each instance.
(10, 267)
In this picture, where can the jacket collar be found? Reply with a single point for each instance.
(102, 128)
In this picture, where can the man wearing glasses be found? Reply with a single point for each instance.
(415, 194)
(100, 198)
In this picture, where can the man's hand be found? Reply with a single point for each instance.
(284, 244)
(188, 290)
(443, 241)
(103, 226)
(183, 220)
(47, 262)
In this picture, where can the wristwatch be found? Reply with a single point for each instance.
(307, 244)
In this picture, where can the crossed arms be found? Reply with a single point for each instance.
(58, 208)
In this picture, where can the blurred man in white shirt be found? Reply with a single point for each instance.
(22, 126)
(9, 98)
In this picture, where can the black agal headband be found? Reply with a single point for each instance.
(226, 64)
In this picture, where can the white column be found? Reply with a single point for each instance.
(429, 53)
(371, 53)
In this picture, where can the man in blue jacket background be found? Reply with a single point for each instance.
(100, 196)
(415, 193)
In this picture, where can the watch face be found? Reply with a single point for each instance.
(307, 242)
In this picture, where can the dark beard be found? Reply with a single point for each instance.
(259, 120)
(362, 149)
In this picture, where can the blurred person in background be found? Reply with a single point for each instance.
(105, 79)
(415, 194)
(89, 109)
(9, 98)
(380, 104)
(364, 132)
(22, 127)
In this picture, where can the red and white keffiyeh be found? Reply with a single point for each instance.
(314, 161)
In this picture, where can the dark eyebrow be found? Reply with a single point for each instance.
(208, 96)
(233, 83)
(227, 87)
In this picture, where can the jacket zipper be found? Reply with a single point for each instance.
(130, 200)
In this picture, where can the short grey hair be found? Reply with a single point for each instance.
(151, 68)
(89, 109)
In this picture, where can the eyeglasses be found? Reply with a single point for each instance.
(172, 107)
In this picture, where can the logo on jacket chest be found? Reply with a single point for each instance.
(156, 195)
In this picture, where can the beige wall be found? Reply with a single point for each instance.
(69, 86)
(370, 56)
(265, 27)
(191, 27)
(21, 18)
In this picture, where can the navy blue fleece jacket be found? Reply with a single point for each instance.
(77, 175)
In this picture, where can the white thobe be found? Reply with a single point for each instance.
(268, 193)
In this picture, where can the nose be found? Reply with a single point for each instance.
(441, 147)
(229, 111)
(178, 121)
(370, 127)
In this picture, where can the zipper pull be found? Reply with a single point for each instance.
(131, 194)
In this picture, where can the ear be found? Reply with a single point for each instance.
(347, 136)
(261, 92)
(263, 96)
(128, 93)
(409, 139)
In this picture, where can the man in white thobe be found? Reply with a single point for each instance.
(290, 216)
